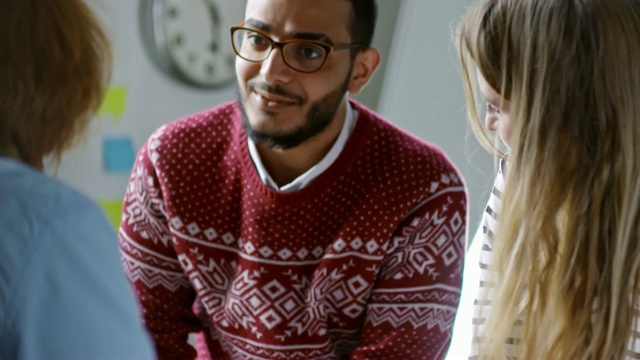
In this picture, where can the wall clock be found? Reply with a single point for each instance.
(189, 39)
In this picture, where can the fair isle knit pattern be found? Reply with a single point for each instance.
(365, 262)
(482, 303)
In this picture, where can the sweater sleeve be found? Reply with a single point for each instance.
(152, 265)
(413, 304)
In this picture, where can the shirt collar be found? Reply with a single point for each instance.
(315, 171)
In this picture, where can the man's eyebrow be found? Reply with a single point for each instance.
(297, 35)
(313, 36)
(257, 24)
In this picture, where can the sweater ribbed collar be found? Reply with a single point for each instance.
(305, 179)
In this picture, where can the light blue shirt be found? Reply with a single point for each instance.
(63, 293)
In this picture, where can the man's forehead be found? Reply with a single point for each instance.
(288, 18)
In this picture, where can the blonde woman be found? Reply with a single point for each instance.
(63, 294)
(561, 247)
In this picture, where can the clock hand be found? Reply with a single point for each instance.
(215, 24)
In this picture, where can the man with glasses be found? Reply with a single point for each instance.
(296, 223)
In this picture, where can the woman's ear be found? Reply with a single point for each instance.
(364, 65)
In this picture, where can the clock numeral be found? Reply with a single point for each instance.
(172, 13)
(177, 40)
(210, 69)
(231, 60)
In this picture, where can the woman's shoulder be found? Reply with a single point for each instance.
(36, 207)
(28, 193)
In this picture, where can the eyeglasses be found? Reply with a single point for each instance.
(306, 56)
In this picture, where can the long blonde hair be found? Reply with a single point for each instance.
(55, 63)
(567, 247)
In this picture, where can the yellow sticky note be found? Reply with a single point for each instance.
(112, 209)
(115, 102)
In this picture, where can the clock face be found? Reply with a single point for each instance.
(189, 39)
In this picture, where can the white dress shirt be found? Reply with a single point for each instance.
(315, 171)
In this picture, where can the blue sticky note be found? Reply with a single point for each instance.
(118, 154)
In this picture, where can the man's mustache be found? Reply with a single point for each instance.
(275, 90)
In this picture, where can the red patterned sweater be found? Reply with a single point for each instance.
(363, 263)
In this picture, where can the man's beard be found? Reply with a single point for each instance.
(320, 115)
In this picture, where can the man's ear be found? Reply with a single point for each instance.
(364, 65)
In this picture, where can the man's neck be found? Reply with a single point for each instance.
(284, 166)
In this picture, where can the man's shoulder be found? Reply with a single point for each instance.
(393, 139)
(212, 124)
(32, 205)
(392, 153)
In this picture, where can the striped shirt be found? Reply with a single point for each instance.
(484, 295)
(482, 302)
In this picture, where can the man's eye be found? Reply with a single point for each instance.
(311, 52)
(257, 40)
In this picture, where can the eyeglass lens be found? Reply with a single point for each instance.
(299, 55)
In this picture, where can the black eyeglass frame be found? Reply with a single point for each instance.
(281, 44)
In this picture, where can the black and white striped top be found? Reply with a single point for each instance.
(484, 295)
(482, 301)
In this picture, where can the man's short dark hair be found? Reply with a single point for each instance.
(363, 21)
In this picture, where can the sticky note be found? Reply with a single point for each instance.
(112, 209)
(118, 154)
(114, 102)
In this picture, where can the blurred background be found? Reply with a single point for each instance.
(164, 72)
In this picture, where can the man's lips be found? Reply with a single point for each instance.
(273, 96)
(272, 101)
